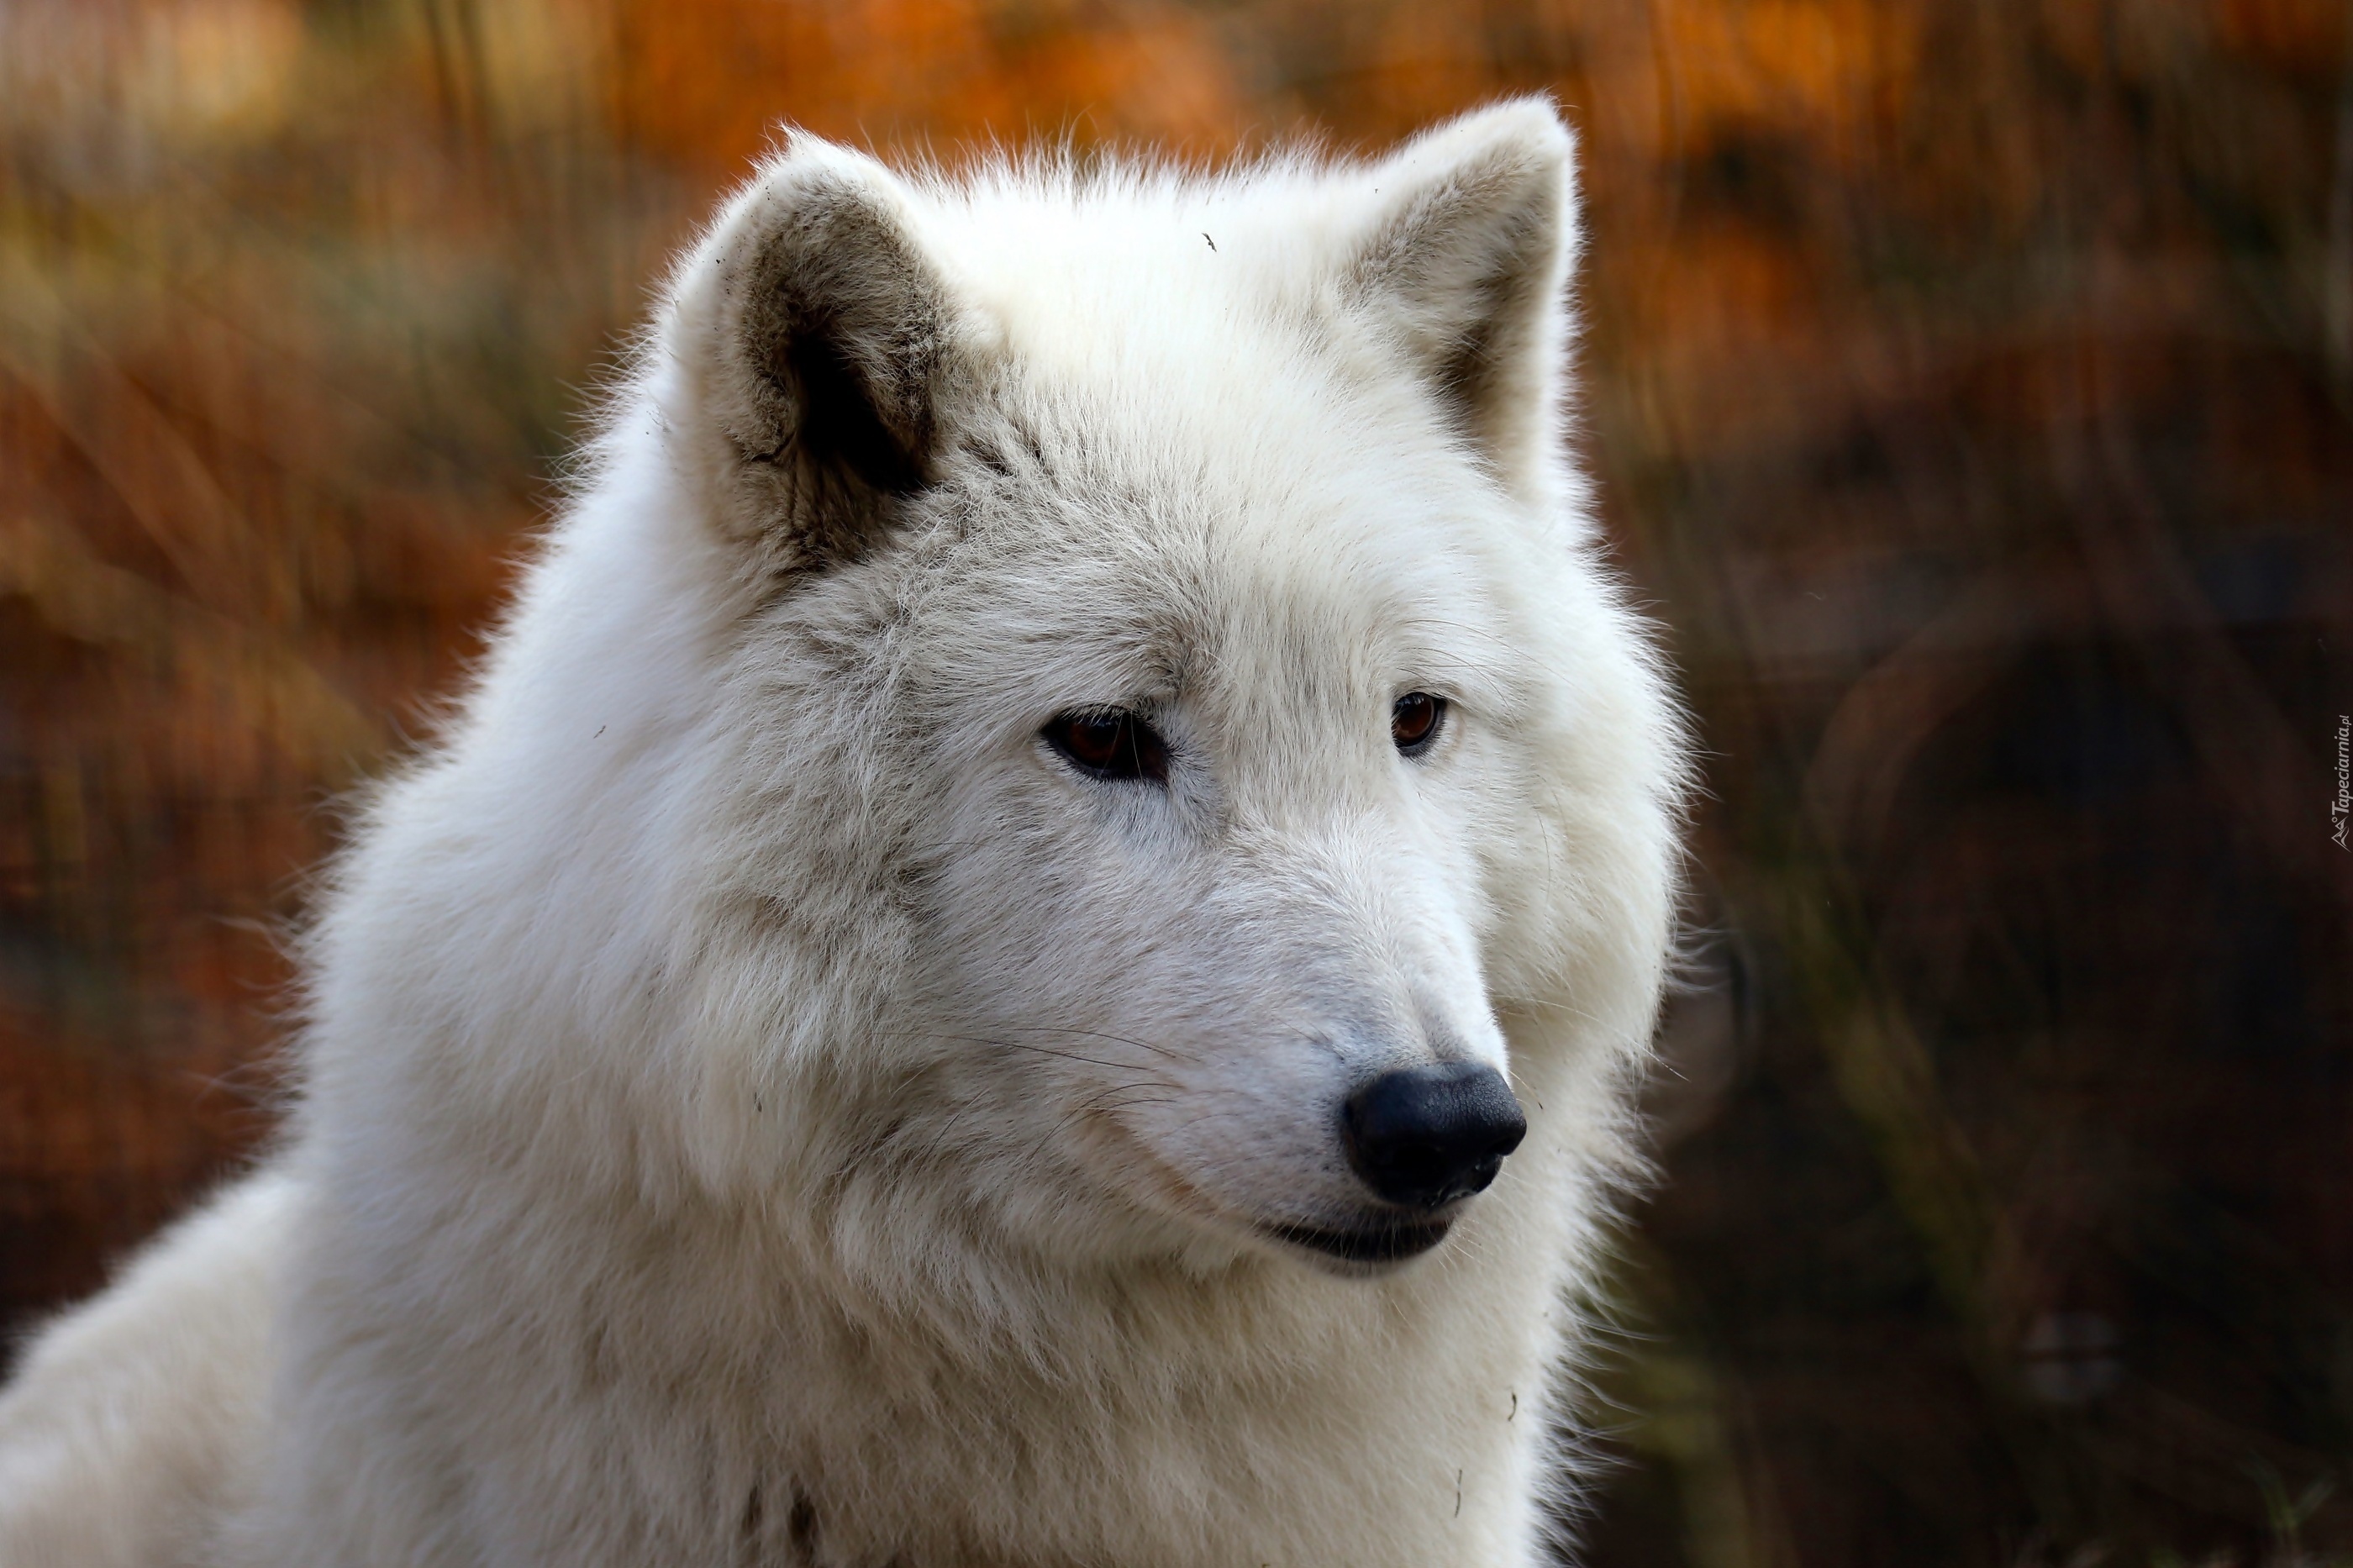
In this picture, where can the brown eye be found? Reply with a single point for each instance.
(1110, 744)
(1414, 721)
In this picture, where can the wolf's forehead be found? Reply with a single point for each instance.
(1099, 580)
(1187, 470)
(1072, 249)
(1197, 291)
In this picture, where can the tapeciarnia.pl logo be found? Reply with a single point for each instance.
(2339, 808)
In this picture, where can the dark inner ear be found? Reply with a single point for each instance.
(840, 423)
(1465, 376)
(836, 341)
(1463, 270)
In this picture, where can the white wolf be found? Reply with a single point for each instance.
(949, 998)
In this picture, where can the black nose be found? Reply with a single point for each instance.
(1426, 1136)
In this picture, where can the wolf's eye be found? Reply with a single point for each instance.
(1110, 744)
(1415, 720)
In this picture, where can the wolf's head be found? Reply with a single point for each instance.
(1155, 767)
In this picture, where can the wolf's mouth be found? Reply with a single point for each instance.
(1391, 1242)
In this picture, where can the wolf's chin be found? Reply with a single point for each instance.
(1367, 1250)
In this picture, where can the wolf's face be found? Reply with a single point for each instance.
(1216, 771)
(1173, 608)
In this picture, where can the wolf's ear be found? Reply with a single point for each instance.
(812, 338)
(1465, 257)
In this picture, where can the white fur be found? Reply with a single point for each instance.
(762, 1107)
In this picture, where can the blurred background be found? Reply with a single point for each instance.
(1971, 383)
